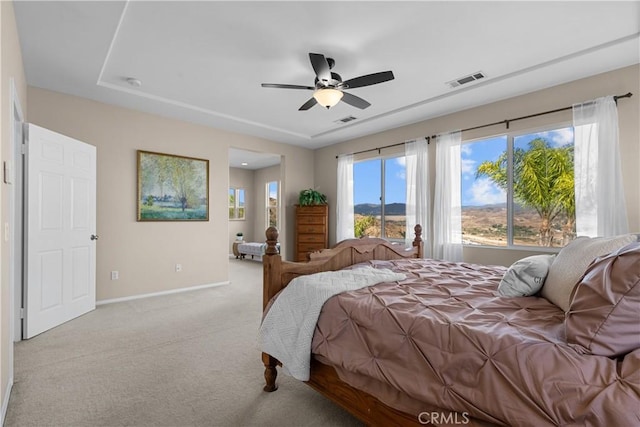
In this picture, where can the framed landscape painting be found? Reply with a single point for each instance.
(172, 188)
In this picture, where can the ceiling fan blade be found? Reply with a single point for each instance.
(320, 66)
(356, 101)
(310, 103)
(369, 79)
(279, 86)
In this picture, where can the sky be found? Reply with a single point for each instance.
(367, 182)
(481, 191)
(475, 192)
(273, 190)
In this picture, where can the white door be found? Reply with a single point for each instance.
(60, 282)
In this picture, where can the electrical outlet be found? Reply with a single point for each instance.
(115, 275)
(178, 268)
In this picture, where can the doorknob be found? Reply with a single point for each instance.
(94, 237)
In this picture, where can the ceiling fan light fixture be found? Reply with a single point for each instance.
(328, 85)
(328, 97)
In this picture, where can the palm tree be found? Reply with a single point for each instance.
(542, 180)
(566, 193)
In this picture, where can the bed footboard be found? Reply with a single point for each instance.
(278, 273)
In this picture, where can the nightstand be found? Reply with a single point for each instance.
(235, 249)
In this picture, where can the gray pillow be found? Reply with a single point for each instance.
(572, 262)
(525, 277)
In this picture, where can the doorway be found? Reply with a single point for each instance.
(251, 171)
(14, 177)
(52, 213)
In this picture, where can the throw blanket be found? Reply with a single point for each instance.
(287, 329)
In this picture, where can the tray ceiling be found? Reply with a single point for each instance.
(204, 61)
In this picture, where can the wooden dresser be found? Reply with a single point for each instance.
(312, 230)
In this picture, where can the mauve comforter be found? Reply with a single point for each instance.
(445, 338)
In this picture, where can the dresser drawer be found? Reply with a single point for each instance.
(312, 219)
(311, 228)
(310, 247)
(312, 210)
(311, 238)
(302, 256)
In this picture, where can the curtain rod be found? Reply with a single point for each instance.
(505, 122)
(557, 110)
(377, 149)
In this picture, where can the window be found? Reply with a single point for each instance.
(236, 203)
(272, 204)
(518, 189)
(379, 197)
(484, 203)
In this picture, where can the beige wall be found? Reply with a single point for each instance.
(243, 178)
(145, 253)
(612, 83)
(11, 68)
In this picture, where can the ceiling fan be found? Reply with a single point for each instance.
(329, 87)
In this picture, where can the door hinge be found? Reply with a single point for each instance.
(23, 148)
(22, 313)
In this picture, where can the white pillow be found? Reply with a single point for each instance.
(571, 263)
(525, 277)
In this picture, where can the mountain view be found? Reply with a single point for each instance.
(481, 225)
(371, 209)
(542, 165)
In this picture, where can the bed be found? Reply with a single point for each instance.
(442, 347)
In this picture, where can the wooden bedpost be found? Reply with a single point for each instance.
(271, 262)
(270, 372)
(270, 277)
(418, 240)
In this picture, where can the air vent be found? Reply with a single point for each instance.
(466, 79)
(345, 119)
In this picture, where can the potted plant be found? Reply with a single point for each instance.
(239, 236)
(311, 197)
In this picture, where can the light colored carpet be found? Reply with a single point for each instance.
(187, 359)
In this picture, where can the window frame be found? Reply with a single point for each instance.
(383, 159)
(511, 135)
(236, 204)
(268, 206)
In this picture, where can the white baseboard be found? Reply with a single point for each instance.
(5, 402)
(156, 294)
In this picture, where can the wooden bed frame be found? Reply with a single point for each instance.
(323, 378)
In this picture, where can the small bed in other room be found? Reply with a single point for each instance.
(254, 249)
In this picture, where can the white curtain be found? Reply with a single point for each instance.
(418, 204)
(600, 205)
(344, 204)
(447, 211)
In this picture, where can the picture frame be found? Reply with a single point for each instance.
(172, 187)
